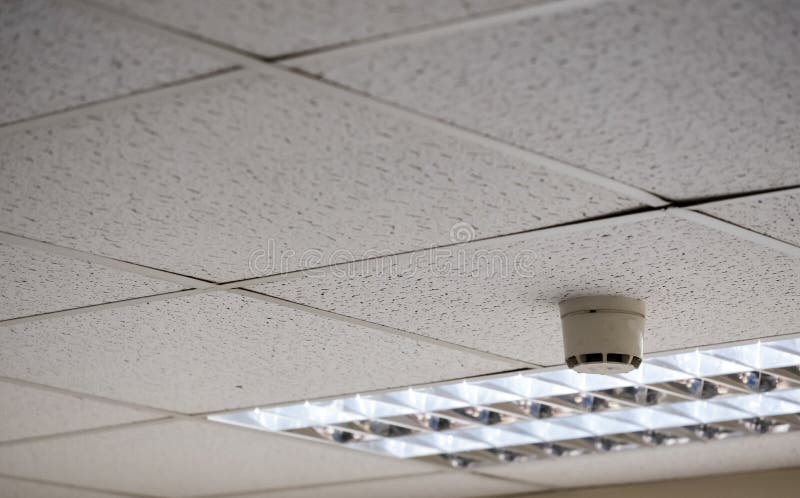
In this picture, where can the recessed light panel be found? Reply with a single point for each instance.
(679, 398)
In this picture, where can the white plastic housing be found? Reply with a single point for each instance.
(602, 334)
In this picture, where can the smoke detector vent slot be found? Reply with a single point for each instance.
(573, 360)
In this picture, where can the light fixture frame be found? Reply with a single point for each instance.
(457, 447)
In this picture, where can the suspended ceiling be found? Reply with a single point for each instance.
(184, 184)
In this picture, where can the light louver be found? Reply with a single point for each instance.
(672, 399)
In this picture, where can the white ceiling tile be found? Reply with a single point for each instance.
(438, 485)
(29, 412)
(185, 458)
(37, 282)
(200, 181)
(683, 98)
(701, 287)
(57, 55)
(220, 351)
(776, 215)
(654, 464)
(13, 488)
(277, 27)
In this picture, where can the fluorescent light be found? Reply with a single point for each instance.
(599, 425)
(422, 400)
(671, 399)
(550, 430)
(700, 364)
(759, 356)
(708, 411)
(653, 373)
(651, 418)
(528, 387)
(476, 394)
(769, 404)
(582, 382)
(499, 437)
(448, 442)
(396, 448)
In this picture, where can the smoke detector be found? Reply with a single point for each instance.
(602, 334)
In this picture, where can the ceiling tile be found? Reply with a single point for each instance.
(58, 55)
(221, 351)
(251, 175)
(701, 286)
(13, 488)
(653, 464)
(29, 412)
(441, 485)
(776, 215)
(686, 99)
(277, 27)
(37, 282)
(185, 458)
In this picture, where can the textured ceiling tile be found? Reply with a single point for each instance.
(248, 176)
(218, 351)
(37, 282)
(12, 488)
(654, 464)
(684, 98)
(701, 287)
(29, 412)
(776, 215)
(444, 485)
(55, 55)
(192, 458)
(276, 27)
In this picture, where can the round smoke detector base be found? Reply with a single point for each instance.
(603, 334)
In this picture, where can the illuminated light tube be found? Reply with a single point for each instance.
(672, 399)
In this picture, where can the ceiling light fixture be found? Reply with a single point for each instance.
(699, 395)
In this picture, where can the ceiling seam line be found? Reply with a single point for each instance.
(683, 212)
(77, 487)
(529, 234)
(467, 135)
(79, 310)
(423, 35)
(380, 327)
(359, 98)
(94, 397)
(763, 194)
(40, 121)
(79, 432)
(738, 231)
(117, 264)
(195, 283)
(208, 287)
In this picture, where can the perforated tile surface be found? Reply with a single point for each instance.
(57, 55)
(683, 98)
(702, 287)
(203, 185)
(275, 27)
(151, 147)
(220, 351)
(37, 282)
(775, 215)
(30, 412)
